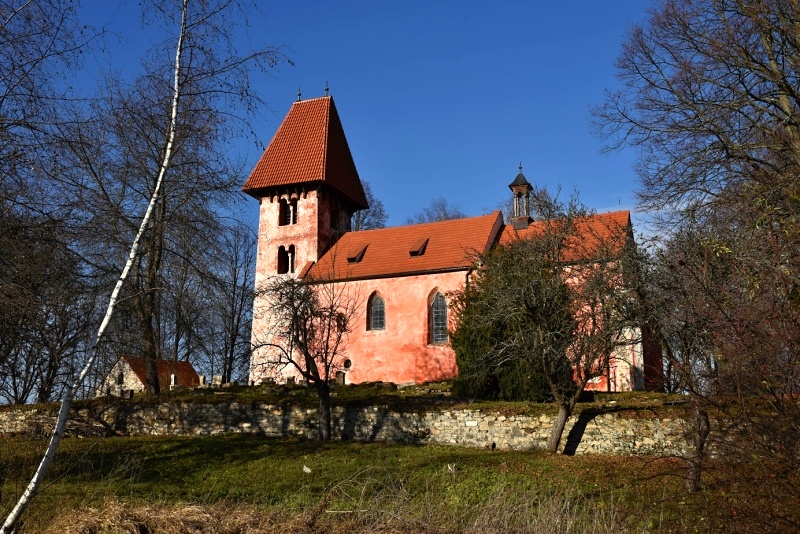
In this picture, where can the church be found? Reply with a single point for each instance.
(308, 188)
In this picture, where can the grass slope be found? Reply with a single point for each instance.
(242, 483)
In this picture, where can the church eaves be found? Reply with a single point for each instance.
(309, 148)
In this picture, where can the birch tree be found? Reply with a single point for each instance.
(206, 75)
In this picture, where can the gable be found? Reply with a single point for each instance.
(185, 375)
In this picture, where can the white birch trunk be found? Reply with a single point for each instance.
(66, 400)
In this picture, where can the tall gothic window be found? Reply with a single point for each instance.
(376, 313)
(437, 320)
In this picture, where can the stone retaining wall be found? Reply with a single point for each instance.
(589, 432)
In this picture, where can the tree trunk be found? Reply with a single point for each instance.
(699, 433)
(560, 423)
(324, 392)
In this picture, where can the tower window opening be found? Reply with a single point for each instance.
(287, 212)
(283, 260)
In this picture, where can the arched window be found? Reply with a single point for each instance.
(376, 313)
(283, 260)
(437, 320)
(287, 212)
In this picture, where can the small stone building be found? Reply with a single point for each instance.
(128, 376)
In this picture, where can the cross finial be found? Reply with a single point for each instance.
(326, 87)
(520, 166)
(298, 93)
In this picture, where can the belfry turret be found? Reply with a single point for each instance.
(521, 189)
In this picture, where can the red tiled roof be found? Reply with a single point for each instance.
(309, 146)
(185, 375)
(603, 234)
(451, 245)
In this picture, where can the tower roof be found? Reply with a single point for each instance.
(309, 147)
(520, 180)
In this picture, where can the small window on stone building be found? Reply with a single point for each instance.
(376, 314)
(120, 379)
(437, 320)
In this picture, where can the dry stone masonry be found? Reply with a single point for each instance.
(589, 432)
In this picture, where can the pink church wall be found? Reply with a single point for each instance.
(401, 352)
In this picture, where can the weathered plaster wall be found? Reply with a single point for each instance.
(590, 433)
(401, 350)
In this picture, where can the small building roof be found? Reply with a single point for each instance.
(407, 250)
(309, 148)
(185, 374)
(597, 236)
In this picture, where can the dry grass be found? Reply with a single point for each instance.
(506, 513)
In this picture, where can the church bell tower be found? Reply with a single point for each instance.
(307, 187)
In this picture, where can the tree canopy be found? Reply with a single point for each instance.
(551, 305)
(710, 98)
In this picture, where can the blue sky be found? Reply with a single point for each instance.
(445, 99)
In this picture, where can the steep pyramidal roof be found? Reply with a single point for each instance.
(309, 147)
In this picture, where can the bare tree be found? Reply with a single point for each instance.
(310, 323)
(234, 302)
(112, 167)
(372, 217)
(556, 299)
(438, 210)
(40, 43)
(47, 308)
(711, 99)
(198, 73)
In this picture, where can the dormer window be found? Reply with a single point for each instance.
(418, 248)
(357, 255)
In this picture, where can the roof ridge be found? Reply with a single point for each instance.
(449, 221)
(326, 133)
(417, 225)
(312, 99)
